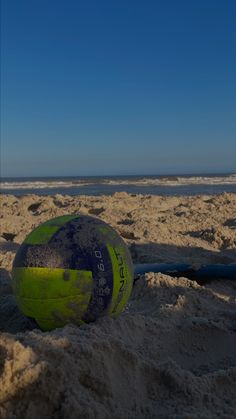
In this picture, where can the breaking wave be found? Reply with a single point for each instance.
(135, 181)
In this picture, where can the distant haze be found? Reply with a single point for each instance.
(118, 87)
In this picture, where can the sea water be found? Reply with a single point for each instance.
(107, 185)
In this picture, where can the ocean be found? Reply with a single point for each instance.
(106, 185)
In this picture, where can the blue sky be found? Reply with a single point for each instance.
(118, 87)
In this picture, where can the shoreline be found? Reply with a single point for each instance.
(175, 185)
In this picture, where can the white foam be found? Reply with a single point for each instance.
(145, 181)
(178, 181)
(40, 185)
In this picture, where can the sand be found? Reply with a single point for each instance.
(170, 354)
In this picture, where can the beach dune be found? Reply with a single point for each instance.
(170, 354)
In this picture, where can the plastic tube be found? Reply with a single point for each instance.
(203, 274)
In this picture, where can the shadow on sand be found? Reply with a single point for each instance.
(9, 246)
(169, 253)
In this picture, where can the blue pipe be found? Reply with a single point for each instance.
(203, 274)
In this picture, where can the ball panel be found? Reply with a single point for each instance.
(70, 308)
(122, 278)
(101, 266)
(53, 255)
(53, 297)
(54, 283)
(43, 233)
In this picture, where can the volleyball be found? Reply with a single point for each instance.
(72, 269)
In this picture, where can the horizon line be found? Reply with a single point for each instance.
(124, 175)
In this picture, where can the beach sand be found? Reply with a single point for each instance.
(170, 354)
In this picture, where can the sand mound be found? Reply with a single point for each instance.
(172, 352)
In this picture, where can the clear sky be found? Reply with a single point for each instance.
(99, 87)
